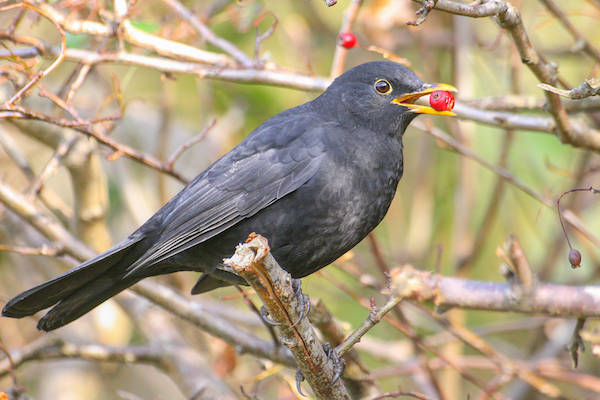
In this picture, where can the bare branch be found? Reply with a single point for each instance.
(590, 87)
(52, 347)
(453, 144)
(487, 9)
(161, 295)
(273, 285)
(509, 18)
(60, 57)
(16, 112)
(375, 315)
(582, 42)
(339, 57)
(208, 35)
(198, 138)
(544, 298)
(192, 312)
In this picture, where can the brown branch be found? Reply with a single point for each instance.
(208, 35)
(176, 360)
(50, 198)
(454, 145)
(315, 83)
(176, 304)
(582, 42)
(487, 9)
(53, 230)
(546, 73)
(355, 374)
(590, 87)
(162, 46)
(339, 57)
(513, 102)
(72, 25)
(402, 393)
(375, 316)
(51, 166)
(275, 77)
(509, 18)
(513, 254)
(544, 298)
(196, 139)
(52, 347)
(59, 59)
(414, 337)
(254, 262)
(45, 250)
(161, 295)
(263, 36)
(506, 365)
(16, 112)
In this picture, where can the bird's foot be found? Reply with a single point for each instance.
(305, 304)
(302, 299)
(338, 363)
(297, 286)
(264, 313)
(338, 367)
(299, 379)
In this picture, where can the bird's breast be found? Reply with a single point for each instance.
(345, 200)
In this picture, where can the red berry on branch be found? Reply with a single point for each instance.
(347, 40)
(440, 100)
(575, 258)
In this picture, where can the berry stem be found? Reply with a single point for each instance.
(588, 189)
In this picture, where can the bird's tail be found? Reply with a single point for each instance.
(78, 290)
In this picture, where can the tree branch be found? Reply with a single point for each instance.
(254, 262)
(544, 298)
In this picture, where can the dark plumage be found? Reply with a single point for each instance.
(314, 180)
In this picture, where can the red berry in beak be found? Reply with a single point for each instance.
(347, 40)
(441, 100)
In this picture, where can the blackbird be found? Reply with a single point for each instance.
(314, 180)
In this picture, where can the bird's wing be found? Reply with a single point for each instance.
(276, 159)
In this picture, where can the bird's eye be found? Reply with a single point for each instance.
(383, 86)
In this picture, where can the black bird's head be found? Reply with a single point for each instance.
(379, 95)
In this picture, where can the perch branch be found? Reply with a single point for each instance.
(254, 262)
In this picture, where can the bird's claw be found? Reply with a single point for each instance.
(264, 313)
(338, 367)
(338, 363)
(299, 380)
(297, 286)
(305, 303)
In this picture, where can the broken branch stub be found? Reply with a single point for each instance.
(287, 307)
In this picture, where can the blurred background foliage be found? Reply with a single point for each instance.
(433, 223)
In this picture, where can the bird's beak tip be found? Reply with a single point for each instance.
(408, 99)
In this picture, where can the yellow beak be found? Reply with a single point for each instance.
(409, 98)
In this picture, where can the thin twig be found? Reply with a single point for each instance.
(375, 316)
(196, 139)
(208, 35)
(121, 149)
(576, 344)
(454, 145)
(51, 67)
(339, 57)
(582, 42)
(263, 36)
